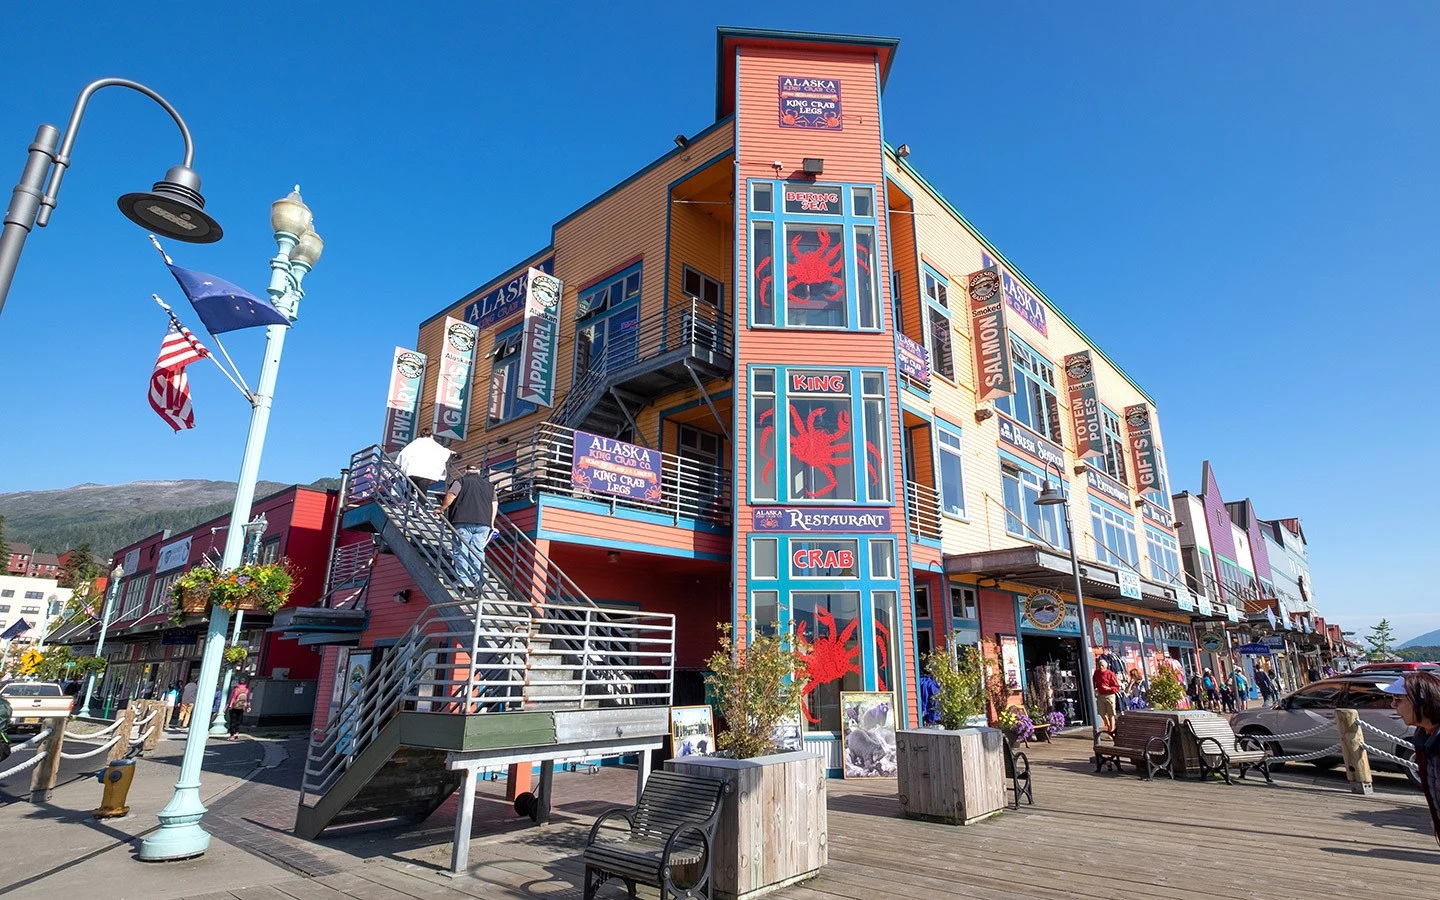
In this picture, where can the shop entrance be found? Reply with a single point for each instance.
(1053, 675)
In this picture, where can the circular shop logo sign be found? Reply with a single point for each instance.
(460, 337)
(545, 289)
(984, 284)
(1044, 609)
(1138, 417)
(410, 365)
(1097, 632)
(1210, 641)
(1078, 367)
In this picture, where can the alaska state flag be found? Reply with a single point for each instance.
(223, 306)
(20, 627)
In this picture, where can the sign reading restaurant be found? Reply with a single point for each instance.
(823, 519)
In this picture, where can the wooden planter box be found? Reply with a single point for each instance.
(956, 777)
(195, 602)
(773, 829)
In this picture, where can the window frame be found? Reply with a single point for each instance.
(1050, 516)
(1118, 518)
(1029, 369)
(940, 451)
(935, 293)
(505, 356)
(595, 317)
(1113, 446)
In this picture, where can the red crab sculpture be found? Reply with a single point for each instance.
(828, 659)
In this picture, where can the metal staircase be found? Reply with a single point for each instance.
(514, 637)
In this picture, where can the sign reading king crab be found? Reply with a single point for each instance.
(829, 658)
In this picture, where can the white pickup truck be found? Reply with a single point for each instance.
(34, 702)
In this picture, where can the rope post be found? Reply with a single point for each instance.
(44, 775)
(152, 729)
(1352, 746)
(127, 726)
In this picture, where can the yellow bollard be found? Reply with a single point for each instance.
(116, 777)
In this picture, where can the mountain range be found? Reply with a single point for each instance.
(1428, 639)
(111, 516)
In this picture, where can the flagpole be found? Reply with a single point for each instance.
(180, 835)
(113, 591)
(176, 321)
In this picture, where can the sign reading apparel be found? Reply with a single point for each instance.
(608, 466)
(993, 373)
(541, 338)
(452, 388)
(402, 404)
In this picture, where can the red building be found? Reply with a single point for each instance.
(26, 561)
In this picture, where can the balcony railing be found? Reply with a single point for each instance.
(688, 489)
(922, 507)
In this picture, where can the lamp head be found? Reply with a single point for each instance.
(173, 207)
(290, 214)
(307, 250)
(118, 572)
(1050, 495)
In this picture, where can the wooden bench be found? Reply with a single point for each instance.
(1138, 739)
(671, 831)
(1219, 748)
(1017, 769)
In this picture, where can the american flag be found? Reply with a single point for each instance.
(169, 386)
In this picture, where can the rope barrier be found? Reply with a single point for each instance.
(94, 735)
(14, 770)
(144, 736)
(100, 749)
(33, 741)
(1332, 750)
(1391, 757)
(138, 722)
(1395, 740)
(1323, 727)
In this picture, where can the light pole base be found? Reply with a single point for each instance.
(218, 728)
(179, 835)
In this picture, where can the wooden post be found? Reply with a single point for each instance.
(127, 724)
(155, 726)
(1352, 745)
(47, 771)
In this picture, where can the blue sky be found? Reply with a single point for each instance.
(1238, 203)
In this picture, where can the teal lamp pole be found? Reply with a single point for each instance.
(180, 835)
(253, 532)
(114, 590)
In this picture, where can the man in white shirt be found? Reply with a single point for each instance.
(423, 461)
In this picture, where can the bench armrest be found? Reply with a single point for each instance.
(624, 812)
(1220, 750)
(686, 827)
(1251, 742)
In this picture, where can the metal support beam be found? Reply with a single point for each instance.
(634, 429)
(708, 402)
(460, 853)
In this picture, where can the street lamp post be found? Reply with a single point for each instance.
(180, 835)
(253, 532)
(1054, 495)
(110, 594)
(173, 206)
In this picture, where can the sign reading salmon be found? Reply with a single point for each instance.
(991, 338)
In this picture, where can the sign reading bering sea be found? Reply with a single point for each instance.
(814, 199)
(608, 466)
(827, 519)
(810, 103)
(1019, 298)
(1017, 435)
(504, 301)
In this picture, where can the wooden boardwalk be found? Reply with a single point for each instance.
(1103, 836)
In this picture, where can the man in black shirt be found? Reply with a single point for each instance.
(469, 504)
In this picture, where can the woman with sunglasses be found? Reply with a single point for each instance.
(1417, 700)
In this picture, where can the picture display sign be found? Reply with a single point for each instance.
(692, 731)
(540, 337)
(867, 722)
(813, 199)
(810, 103)
(821, 519)
(452, 388)
(913, 359)
(1010, 660)
(173, 555)
(1146, 456)
(402, 401)
(994, 375)
(1084, 404)
(505, 300)
(607, 466)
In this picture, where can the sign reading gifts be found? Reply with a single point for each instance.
(402, 403)
(452, 388)
(1019, 298)
(991, 338)
(541, 338)
(1084, 404)
(1142, 448)
(607, 466)
(504, 301)
(824, 519)
(912, 359)
(810, 103)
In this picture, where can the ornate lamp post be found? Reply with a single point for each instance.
(180, 835)
(173, 206)
(254, 531)
(114, 590)
(1054, 495)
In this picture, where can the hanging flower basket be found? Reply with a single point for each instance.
(263, 587)
(195, 600)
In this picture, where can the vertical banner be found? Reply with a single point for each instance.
(402, 403)
(452, 388)
(541, 338)
(989, 334)
(1143, 449)
(1084, 405)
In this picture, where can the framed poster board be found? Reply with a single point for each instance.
(1010, 660)
(867, 734)
(692, 731)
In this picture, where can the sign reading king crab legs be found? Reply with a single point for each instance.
(605, 465)
(810, 103)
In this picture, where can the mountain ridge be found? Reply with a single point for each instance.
(1428, 639)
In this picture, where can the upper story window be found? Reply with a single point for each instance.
(29, 610)
(505, 380)
(1161, 495)
(813, 256)
(938, 337)
(34, 595)
(7, 592)
(1024, 518)
(607, 322)
(1163, 551)
(950, 467)
(1114, 533)
(1035, 403)
(1113, 461)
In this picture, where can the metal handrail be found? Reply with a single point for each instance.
(922, 503)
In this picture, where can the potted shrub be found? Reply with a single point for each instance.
(953, 774)
(773, 828)
(266, 587)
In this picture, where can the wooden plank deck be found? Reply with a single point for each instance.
(1101, 836)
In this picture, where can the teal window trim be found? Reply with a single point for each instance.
(1035, 381)
(941, 450)
(505, 360)
(1114, 446)
(935, 297)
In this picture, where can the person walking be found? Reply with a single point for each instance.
(1417, 701)
(1242, 688)
(1263, 685)
(1196, 691)
(1212, 690)
(1107, 686)
(470, 506)
(172, 699)
(239, 705)
(423, 462)
(187, 701)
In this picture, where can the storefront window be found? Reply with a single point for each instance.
(763, 560)
(822, 462)
(765, 611)
(887, 663)
(1024, 518)
(826, 624)
(824, 559)
(505, 402)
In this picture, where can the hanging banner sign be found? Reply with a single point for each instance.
(1084, 404)
(608, 466)
(912, 359)
(452, 388)
(504, 301)
(540, 338)
(1142, 448)
(172, 555)
(827, 519)
(991, 339)
(1129, 584)
(1010, 661)
(402, 404)
(810, 103)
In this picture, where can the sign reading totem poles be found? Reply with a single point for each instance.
(1084, 404)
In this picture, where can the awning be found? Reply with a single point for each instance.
(1049, 569)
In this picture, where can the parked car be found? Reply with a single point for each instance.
(1395, 668)
(32, 702)
(1314, 705)
(4, 729)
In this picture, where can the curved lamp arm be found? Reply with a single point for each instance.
(62, 157)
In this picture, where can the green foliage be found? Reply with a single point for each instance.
(236, 655)
(1381, 640)
(962, 694)
(4, 549)
(1165, 689)
(269, 586)
(756, 689)
(1419, 654)
(80, 570)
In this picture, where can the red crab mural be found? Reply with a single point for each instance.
(827, 659)
(814, 446)
(816, 275)
(764, 280)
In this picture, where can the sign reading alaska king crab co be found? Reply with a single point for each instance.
(810, 103)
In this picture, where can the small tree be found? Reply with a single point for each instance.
(1165, 689)
(961, 695)
(1381, 641)
(756, 689)
(4, 550)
